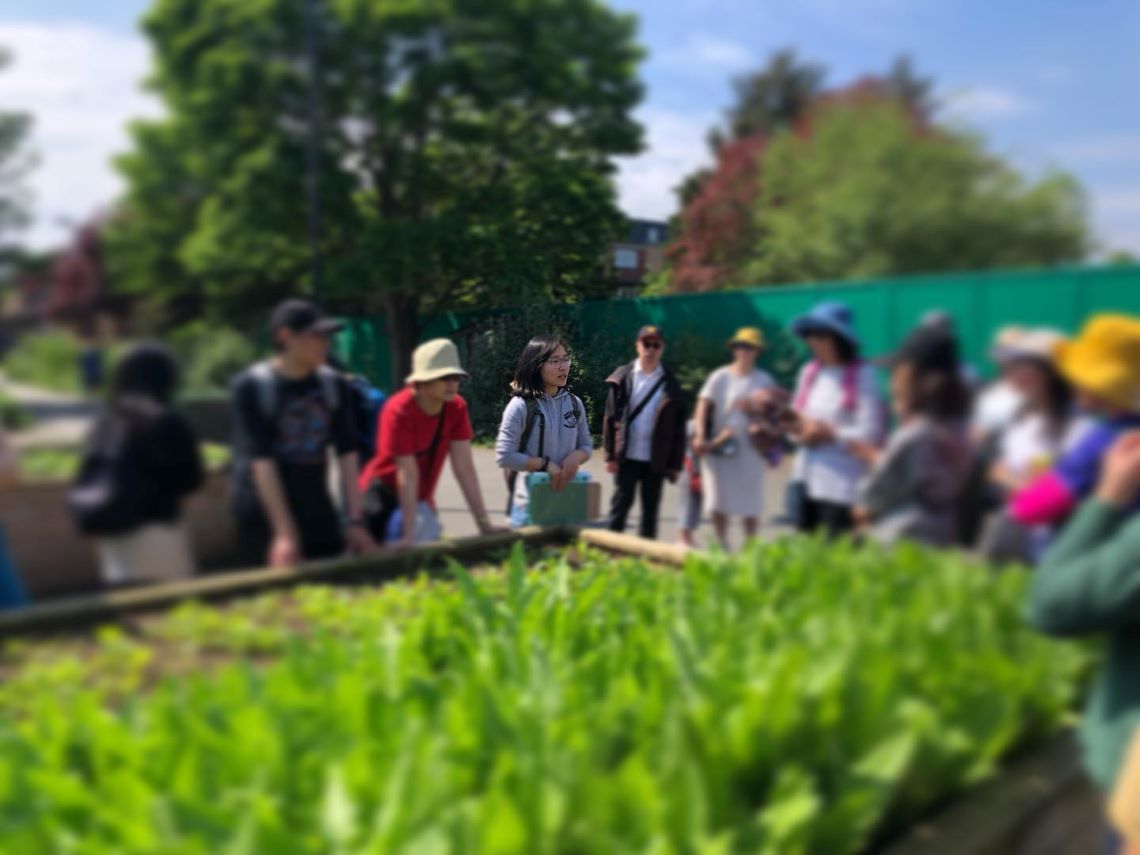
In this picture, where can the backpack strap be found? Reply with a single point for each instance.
(532, 416)
(265, 379)
(330, 387)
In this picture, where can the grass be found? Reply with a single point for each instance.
(56, 463)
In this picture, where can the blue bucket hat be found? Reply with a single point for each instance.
(833, 317)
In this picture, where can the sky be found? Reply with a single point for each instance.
(1048, 84)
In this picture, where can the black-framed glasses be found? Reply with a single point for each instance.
(652, 344)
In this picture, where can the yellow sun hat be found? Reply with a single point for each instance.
(748, 336)
(1104, 360)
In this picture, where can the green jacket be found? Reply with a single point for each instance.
(1089, 583)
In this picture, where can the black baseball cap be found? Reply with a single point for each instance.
(302, 316)
(929, 347)
(650, 331)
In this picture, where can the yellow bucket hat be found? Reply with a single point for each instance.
(1105, 360)
(749, 336)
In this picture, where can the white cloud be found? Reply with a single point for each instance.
(720, 52)
(82, 85)
(710, 52)
(675, 147)
(983, 103)
(1101, 149)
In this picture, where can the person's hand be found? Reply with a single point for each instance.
(816, 433)
(404, 543)
(555, 473)
(284, 551)
(672, 477)
(359, 541)
(860, 516)
(569, 469)
(700, 447)
(1120, 473)
(867, 452)
(488, 527)
(612, 467)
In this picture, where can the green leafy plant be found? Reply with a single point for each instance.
(12, 415)
(801, 697)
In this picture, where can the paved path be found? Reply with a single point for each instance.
(457, 520)
(61, 419)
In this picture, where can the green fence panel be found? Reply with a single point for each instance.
(980, 303)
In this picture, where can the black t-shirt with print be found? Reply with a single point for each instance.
(296, 436)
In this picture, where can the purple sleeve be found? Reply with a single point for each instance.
(1079, 468)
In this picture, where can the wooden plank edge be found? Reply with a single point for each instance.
(627, 544)
(80, 612)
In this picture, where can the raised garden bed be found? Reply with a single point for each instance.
(800, 698)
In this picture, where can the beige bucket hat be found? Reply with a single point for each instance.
(435, 359)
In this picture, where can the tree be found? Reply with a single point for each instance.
(869, 191)
(765, 101)
(467, 156)
(715, 230)
(15, 162)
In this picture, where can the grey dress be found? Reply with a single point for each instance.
(913, 491)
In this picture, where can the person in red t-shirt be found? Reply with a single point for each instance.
(419, 427)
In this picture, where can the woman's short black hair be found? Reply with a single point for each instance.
(146, 370)
(941, 395)
(845, 349)
(527, 382)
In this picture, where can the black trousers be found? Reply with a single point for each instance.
(254, 536)
(833, 518)
(630, 474)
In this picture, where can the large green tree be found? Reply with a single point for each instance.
(467, 153)
(15, 161)
(869, 192)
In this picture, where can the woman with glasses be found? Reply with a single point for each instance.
(839, 412)
(731, 464)
(544, 426)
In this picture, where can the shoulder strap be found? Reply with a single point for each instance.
(532, 415)
(434, 444)
(851, 384)
(528, 426)
(330, 387)
(644, 402)
(810, 373)
(266, 379)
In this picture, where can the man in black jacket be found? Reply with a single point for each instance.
(643, 431)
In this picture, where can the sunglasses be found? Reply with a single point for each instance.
(652, 343)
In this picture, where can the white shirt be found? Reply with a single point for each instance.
(1028, 448)
(640, 444)
(725, 389)
(830, 472)
(995, 407)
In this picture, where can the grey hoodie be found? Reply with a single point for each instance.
(557, 428)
